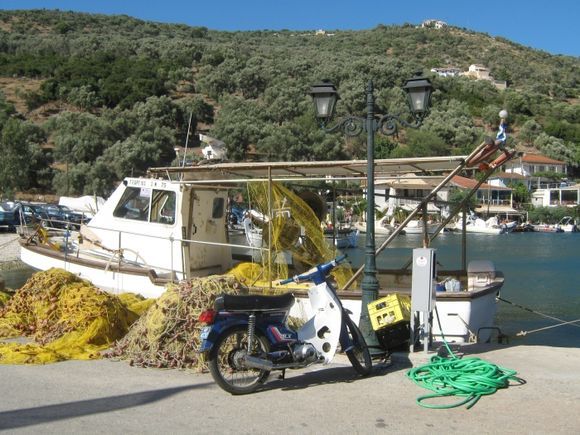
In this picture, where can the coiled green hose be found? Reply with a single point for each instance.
(468, 378)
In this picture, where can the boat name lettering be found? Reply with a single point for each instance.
(147, 183)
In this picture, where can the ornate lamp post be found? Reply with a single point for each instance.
(325, 97)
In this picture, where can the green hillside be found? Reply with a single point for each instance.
(110, 96)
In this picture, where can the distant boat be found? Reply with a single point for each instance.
(382, 227)
(416, 226)
(473, 224)
(568, 224)
(547, 228)
(342, 238)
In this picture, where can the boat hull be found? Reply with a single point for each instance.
(103, 274)
(465, 316)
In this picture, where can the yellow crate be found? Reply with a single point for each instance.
(389, 310)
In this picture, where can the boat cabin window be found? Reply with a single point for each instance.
(134, 204)
(145, 204)
(163, 207)
(218, 208)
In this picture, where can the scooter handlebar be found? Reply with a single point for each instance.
(317, 274)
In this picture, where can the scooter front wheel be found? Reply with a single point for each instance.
(226, 361)
(359, 354)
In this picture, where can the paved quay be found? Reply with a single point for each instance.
(112, 397)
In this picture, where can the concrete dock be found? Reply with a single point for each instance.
(112, 397)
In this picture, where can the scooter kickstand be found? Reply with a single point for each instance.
(282, 375)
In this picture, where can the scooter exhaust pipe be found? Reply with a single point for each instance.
(258, 363)
(264, 364)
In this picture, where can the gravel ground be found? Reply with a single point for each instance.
(9, 247)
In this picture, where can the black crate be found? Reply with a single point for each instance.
(394, 336)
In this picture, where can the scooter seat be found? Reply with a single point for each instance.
(254, 302)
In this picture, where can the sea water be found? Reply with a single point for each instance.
(541, 270)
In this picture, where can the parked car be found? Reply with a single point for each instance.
(9, 215)
(60, 216)
(33, 213)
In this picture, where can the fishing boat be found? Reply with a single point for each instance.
(172, 225)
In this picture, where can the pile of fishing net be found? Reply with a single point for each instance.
(61, 317)
(167, 335)
(295, 233)
(4, 297)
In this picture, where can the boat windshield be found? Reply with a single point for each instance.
(145, 204)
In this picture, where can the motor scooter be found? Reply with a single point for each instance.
(247, 336)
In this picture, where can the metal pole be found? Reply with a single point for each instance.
(271, 218)
(370, 284)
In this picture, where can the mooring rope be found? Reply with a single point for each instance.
(562, 321)
(571, 322)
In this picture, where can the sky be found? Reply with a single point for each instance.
(551, 26)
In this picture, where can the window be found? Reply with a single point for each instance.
(134, 204)
(145, 204)
(163, 207)
(218, 208)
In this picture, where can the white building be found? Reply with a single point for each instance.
(447, 71)
(557, 197)
(433, 24)
(212, 148)
(530, 164)
(478, 72)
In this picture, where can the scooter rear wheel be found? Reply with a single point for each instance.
(359, 355)
(226, 361)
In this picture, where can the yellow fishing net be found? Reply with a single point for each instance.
(64, 317)
(297, 238)
(167, 335)
(61, 317)
(4, 297)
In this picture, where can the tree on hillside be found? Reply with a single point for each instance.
(238, 126)
(23, 164)
(530, 131)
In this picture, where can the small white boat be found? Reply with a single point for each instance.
(473, 224)
(567, 224)
(382, 227)
(416, 226)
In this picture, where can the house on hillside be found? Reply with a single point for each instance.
(478, 72)
(212, 148)
(433, 24)
(529, 164)
(481, 72)
(449, 71)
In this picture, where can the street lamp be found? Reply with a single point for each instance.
(325, 96)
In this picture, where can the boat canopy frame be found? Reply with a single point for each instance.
(443, 168)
